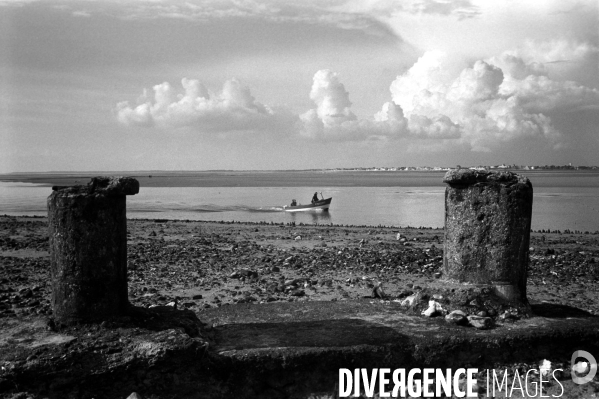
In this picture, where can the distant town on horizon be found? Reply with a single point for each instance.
(358, 169)
(479, 167)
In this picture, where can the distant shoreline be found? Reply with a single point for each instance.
(433, 169)
(311, 178)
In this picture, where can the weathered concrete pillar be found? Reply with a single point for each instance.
(88, 249)
(487, 230)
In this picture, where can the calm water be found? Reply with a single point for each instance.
(575, 208)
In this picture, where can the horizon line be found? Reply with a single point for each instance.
(356, 168)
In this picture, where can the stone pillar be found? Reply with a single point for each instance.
(88, 249)
(487, 230)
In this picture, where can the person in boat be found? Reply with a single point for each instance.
(293, 202)
(315, 198)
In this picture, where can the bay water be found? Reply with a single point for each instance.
(558, 203)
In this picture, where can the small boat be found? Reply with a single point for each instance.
(320, 205)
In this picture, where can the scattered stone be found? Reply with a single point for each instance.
(181, 263)
(508, 316)
(173, 304)
(434, 309)
(405, 293)
(480, 323)
(377, 291)
(409, 301)
(457, 317)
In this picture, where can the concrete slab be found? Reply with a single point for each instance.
(30, 334)
(291, 350)
(293, 329)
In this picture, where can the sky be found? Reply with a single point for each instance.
(112, 85)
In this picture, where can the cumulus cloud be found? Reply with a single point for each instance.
(494, 101)
(234, 108)
(541, 94)
(501, 99)
(437, 127)
(331, 98)
(558, 59)
(514, 66)
(332, 119)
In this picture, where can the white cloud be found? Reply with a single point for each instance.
(514, 66)
(331, 98)
(541, 94)
(502, 99)
(459, 8)
(557, 50)
(490, 103)
(426, 78)
(234, 108)
(438, 127)
(332, 119)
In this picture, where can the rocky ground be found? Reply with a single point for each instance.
(202, 265)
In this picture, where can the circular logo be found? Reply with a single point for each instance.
(592, 367)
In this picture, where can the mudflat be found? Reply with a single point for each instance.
(202, 266)
(229, 263)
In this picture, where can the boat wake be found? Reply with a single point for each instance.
(201, 208)
(267, 209)
(237, 208)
